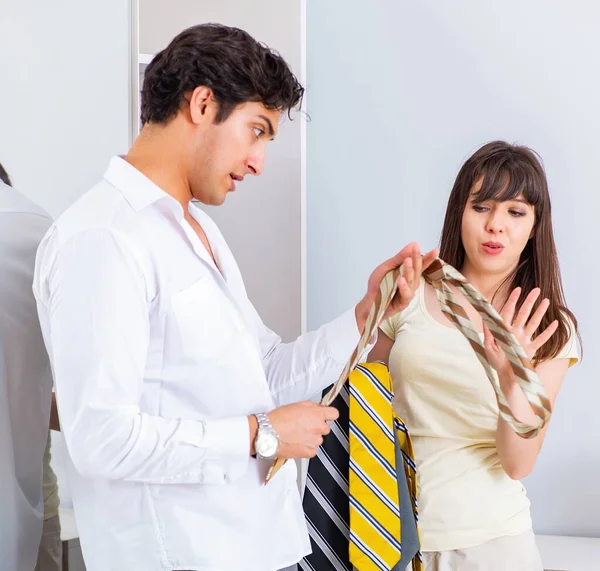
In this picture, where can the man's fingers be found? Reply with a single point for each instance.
(415, 263)
(409, 271)
(330, 413)
(397, 260)
(404, 293)
(310, 451)
(418, 267)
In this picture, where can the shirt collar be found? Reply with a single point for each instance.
(136, 187)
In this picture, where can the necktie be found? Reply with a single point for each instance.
(375, 527)
(441, 275)
(360, 500)
(326, 483)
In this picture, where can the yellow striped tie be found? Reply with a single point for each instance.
(375, 534)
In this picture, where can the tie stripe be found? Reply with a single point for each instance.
(440, 275)
(364, 478)
(357, 509)
(386, 393)
(375, 528)
(369, 553)
(365, 402)
(380, 460)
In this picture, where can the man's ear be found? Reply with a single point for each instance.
(203, 106)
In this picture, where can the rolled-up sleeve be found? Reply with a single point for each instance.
(94, 309)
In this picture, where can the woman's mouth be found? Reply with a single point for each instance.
(492, 248)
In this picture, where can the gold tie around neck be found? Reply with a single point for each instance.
(439, 275)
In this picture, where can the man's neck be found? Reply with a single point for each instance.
(157, 157)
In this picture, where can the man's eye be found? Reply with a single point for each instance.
(258, 132)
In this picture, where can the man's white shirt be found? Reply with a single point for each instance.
(158, 358)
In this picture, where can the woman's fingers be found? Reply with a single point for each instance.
(536, 318)
(525, 309)
(508, 311)
(543, 337)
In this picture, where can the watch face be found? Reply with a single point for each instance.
(266, 444)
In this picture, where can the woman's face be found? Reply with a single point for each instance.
(494, 234)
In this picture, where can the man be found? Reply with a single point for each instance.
(25, 390)
(173, 395)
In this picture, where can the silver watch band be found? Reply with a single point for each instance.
(263, 420)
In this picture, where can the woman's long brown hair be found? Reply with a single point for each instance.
(508, 171)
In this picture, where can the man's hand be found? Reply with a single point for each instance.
(414, 263)
(301, 427)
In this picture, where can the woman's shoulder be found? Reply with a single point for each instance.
(572, 348)
(392, 325)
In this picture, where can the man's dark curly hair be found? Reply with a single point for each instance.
(232, 63)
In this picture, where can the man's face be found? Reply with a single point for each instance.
(223, 154)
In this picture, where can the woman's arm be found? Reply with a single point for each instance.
(381, 350)
(518, 455)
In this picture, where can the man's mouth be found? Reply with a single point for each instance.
(234, 177)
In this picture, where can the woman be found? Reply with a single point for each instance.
(474, 512)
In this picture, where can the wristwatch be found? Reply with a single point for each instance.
(266, 443)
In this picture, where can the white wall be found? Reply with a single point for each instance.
(64, 100)
(64, 104)
(64, 111)
(262, 220)
(399, 96)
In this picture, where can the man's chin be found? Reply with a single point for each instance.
(214, 200)
(217, 200)
(222, 198)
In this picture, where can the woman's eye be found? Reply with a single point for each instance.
(479, 208)
(517, 213)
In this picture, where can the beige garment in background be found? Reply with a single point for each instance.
(50, 484)
(509, 553)
(50, 551)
